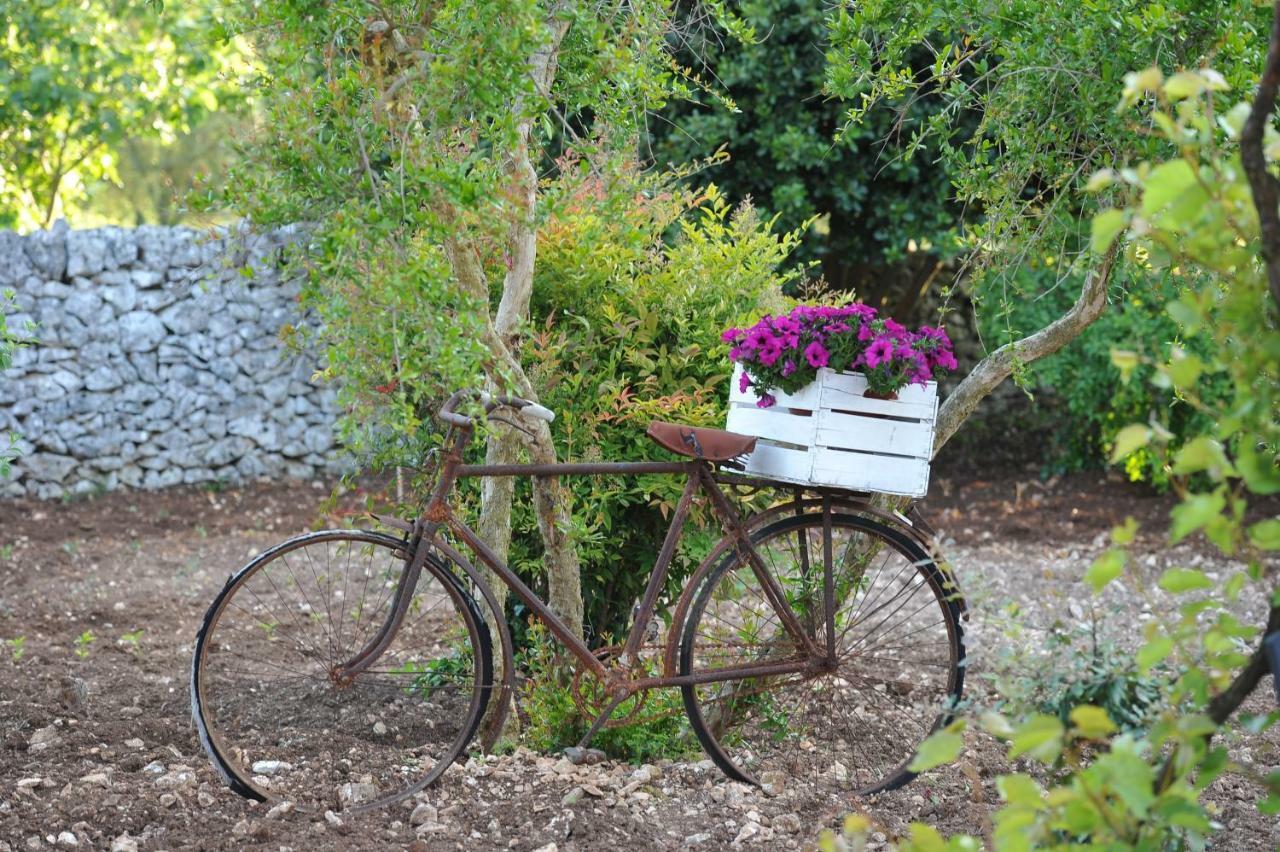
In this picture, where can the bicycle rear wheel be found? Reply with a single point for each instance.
(849, 723)
(282, 718)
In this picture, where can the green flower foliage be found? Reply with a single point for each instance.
(765, 107)
(632, 292)
(80, 77)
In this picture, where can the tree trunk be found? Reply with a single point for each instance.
(551, 500)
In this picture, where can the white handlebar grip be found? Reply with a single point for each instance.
(539, 411)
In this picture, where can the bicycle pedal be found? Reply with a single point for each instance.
(584, 756)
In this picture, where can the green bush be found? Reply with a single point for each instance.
(659, 729)
(1081, 396)
(629, 302)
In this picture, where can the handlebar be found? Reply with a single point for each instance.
(525, 406)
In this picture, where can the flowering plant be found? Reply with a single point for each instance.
(786, 352)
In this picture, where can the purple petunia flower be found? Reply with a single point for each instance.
(789, 367)
(732, 335)
(771, 353)
(880, 350)
(744, 382)
(767, 400)
(816, 354)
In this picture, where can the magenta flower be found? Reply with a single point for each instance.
(788, 368)
(880, 350)
(744, 382)
(771, 353)
(732, 335)
(766, 401)
(817, 355)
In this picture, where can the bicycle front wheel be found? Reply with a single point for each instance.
(848, 721)
(284, 716)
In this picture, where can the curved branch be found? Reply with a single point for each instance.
(998, 366)
(1265, 187)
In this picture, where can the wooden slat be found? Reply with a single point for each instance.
(888, 474)
(777, 424)
(807, 397)
(874, 434)
(856, 383)
(842, 399)
(781, 463)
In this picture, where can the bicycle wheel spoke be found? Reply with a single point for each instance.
(848, 723)
(289, 689)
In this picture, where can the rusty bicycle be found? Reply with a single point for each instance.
(820, 637)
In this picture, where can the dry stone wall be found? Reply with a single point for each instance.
(158, 362)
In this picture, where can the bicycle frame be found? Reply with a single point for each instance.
(699, 476)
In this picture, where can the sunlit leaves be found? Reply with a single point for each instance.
(1040, 736)
(938, 748)
(1104, 569)
(1129, 439)
(1177, 581)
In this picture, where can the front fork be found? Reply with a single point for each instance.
(342, 674)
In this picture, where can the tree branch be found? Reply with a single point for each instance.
(1265, 187)
(998, 366)
(522, 241)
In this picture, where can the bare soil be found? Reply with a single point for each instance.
(97, 748)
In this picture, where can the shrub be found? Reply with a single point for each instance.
(659, 729)
(629, 303)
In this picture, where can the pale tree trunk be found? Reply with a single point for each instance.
(551, 500)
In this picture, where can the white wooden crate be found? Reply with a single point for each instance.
(828, 433)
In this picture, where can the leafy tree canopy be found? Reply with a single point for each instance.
(791, 151)
(82, 76)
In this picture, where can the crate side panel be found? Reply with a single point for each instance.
(776, 423)
(784, 463)
(874, 434)
(870, 472)
(842, 399)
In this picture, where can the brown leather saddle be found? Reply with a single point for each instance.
(700, 443)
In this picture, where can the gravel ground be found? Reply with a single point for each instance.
(97, 750)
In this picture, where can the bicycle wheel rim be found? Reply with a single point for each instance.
(276, 723)
(851, 730)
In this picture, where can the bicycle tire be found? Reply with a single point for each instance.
(818, 726)
(263, 702)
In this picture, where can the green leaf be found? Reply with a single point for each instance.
(925, 838)
(1126, 532)
(1178, 581)
(1128, 776)
(1125, 361)
(1202, 453)
(1039, 737)
(1258, 469)
(1104, 569)
(1130, 438)
(1091, 722)
(1185, 370)
(1184, 84)
(1193, 513)
(1020, 790)
(1266, 534)
(1166, 183)
(1100, 180)
(1106, 226)
(1155, 651)
(938, 748)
